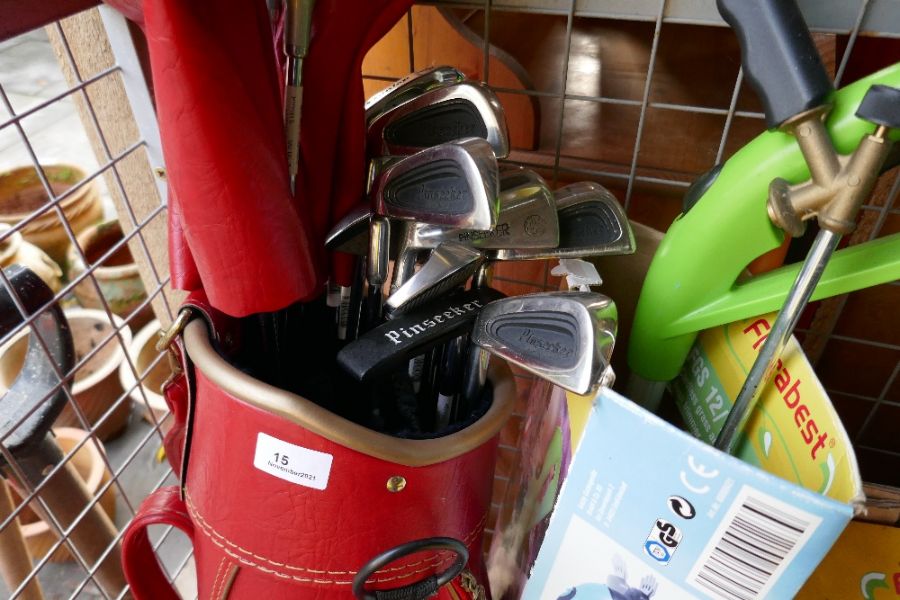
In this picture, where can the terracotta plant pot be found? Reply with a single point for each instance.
(88, 463)
(21, 194)
(142, 352)
(96, 386)
(118, 276)
(14, 250)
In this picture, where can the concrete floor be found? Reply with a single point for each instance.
(29, 75)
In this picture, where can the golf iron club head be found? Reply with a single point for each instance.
(351, 233)
(449, 267)
(527, 218)
(453, 184)
(566, 338)
(591, 223)
(409, 87)
(439, 115)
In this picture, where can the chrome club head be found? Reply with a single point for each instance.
(453, 184)
(449, 267)
(591, 223)
(566, 338)
(409, 87)
(527, 219)
(439, 115)
(351, 233)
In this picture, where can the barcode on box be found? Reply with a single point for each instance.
(753, 545)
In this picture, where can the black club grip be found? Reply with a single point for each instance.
(778, 55)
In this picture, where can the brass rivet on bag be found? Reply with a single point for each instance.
(396, 483)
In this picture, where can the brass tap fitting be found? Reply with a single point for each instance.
(838, 185)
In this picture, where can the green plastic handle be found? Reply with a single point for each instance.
(692, 281)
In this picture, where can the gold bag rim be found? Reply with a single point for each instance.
(311, 416)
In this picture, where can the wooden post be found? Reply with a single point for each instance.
(91, 51)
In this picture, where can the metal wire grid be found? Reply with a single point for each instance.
(110, 168)
(564, 168)
(561, 167)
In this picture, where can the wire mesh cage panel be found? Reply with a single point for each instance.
(644, 97)
(641, 96)
(83, 203)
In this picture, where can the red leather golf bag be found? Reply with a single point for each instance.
(284, 499)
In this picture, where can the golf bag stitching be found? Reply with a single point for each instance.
(250, 563)
(210, 529)
(213, 593)
(212, 534)
(228, 580)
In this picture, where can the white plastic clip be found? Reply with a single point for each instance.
(579, 274)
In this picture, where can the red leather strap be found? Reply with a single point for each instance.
(178, 391)
(223, 329)
(142, 570)
(177, 394)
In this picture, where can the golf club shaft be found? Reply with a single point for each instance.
(448, 382)
(293, 99)
(797, 299)
(378, 259)
(356, 294)
(474, 373)
(298, 23)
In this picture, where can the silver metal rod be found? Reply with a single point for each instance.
(797, 299)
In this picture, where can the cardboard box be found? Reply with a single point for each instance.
(649, 511)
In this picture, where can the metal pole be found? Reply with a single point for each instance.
(797, 299)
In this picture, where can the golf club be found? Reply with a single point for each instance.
(439, 115)
(591, 223)
(378, 258)
(450, 265)
(407, 88)
(391, 344)
(297, 29)
(566, 338)
(527, 218)
(454, 185)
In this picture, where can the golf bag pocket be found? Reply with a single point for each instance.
(283, 497)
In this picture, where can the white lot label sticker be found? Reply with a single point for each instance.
(292, 463)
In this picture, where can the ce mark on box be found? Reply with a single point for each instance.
(293, 463)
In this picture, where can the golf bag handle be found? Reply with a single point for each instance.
(422, 589)
(144, 574)
(779, 56)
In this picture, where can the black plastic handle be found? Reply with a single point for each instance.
(779, 56)
(395, 342)
(37, 382)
